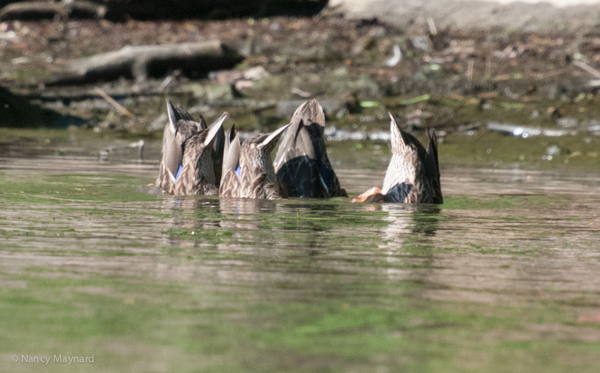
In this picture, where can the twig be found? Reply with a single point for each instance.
(165, 83)
(114, 103)
(540, 76)
(470, 69)
(432, 28)
(301, 93)
(584, 66)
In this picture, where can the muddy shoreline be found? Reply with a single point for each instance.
(452, 80)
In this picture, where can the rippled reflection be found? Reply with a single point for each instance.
(511, 256)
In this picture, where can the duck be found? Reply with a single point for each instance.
(413, 175)
(192, 154)
(247, 167)
(301, 162)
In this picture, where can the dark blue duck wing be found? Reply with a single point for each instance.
(328, 183)
(298, 177)
(219, 148)
(328, 178)
(432, 168)
(301, 162)
(296, 163)
(399, 193)
(296, 141)
(309, 178)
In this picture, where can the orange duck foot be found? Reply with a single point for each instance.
(372, 195)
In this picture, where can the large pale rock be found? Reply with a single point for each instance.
(508, 15)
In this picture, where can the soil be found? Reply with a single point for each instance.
(452, 80)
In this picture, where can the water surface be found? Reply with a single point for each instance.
(502, 277)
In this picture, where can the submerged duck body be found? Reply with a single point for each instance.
(413, 174)
(247, 167)
(192, 154)
(201, 160)
(301, 162)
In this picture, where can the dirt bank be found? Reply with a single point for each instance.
(431, 75)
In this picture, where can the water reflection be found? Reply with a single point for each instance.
(409, 248)
(497, 254)
(193, 213)
(244, 208)
(242, 213)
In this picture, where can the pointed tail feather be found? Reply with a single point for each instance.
(231, 152)
(171, 150)
(219, 148)
(214, 129)
(177, 113)
(269, 143)
(397, 138)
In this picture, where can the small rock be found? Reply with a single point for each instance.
(380, 136)
(396, 57)
(551, 152)
(420, 43)
(567, 122)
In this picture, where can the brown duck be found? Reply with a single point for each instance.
(413, 175)
(301, 162)
(192, 154)
(247, 167)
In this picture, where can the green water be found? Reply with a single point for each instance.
(501, 278)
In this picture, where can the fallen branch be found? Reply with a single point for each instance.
(582, 65)
(141, 62)
(47, 10)
(525, 131)
(114, 103)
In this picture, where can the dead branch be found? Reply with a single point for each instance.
(114, 103)
(44, 10)
(582, 65)
(141, 62)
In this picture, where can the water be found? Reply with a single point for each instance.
(502, 277)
